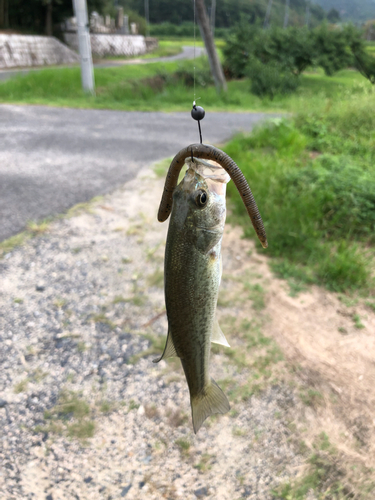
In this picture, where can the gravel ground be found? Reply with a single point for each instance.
(79, 303)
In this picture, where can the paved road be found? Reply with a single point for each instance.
(186, 53)
(53, 158)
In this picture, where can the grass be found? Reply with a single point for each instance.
(152, 87)
(156, 279)
(32, 229)
(21, 386)
(314, 180)
(38, 228)
(256, 355)
(183, 445)
(71, 416)
(326, 475)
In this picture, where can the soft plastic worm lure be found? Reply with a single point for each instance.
(208, 152)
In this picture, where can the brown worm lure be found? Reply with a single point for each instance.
(208, 152)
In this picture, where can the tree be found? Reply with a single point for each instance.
(333, 16)
(41, 16)
(213, 58)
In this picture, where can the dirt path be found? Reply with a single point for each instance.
(85, 414)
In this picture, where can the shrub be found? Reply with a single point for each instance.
(332, 48)
(318, 210)
(365, 63)
(239, 48)
(186, 77)
(270, 79)
(291, 48)
(183, 30)
(344, 193)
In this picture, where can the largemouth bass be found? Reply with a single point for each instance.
(192, 275)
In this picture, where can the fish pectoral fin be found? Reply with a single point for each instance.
(211, 401)
(169, 349)
(217, 336)
(206, 239)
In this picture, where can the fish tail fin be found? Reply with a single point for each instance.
(212, 400)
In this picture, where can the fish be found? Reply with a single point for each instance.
(192, 275)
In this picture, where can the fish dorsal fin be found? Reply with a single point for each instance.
(217, 336)
(169, 349)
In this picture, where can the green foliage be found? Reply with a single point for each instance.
(30, 16)
(270, 79)
(318, 209)
(332, 47)
(365, 63)
(134, 17)
(228, 12)
(344, 193)
(269, 56)
(360, 10)
(291, 48)
(185, 29)
(321, 470)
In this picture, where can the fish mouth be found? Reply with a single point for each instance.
(204, 151)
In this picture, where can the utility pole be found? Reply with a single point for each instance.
(213, 58)
(307, 14)
(268, 13)
(87, 72)
(286, 16)
(49, 18)
(147, 17)
(213, 13)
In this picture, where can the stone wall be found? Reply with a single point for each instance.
(27, 50)
(114, 45)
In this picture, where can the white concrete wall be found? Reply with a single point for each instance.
(114, 45)
(28, 50)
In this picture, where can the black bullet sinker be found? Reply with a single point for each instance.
(198, 113)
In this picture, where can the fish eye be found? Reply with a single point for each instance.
(201, 198)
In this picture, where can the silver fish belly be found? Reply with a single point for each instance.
(192, 277)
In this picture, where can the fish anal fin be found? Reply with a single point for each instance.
(169, 349)
(212, 400)
(217, 336)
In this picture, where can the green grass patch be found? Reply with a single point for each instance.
(314, 180)
(183, 444)
(156, 278)
(327, 476)
(169, 86)
(71, 416)
(21, 386)
(166, 48)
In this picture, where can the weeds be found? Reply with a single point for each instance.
(21, 386)
(319, 212)
(157, 344)
(156, 279)
(204, 463)
(71, 416)
(312, 398)
(323, 476)
(161, 167)
(357, 321)
(102, 318)
(183, 445)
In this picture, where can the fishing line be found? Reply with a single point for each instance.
(194, 55)
(197, 112)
